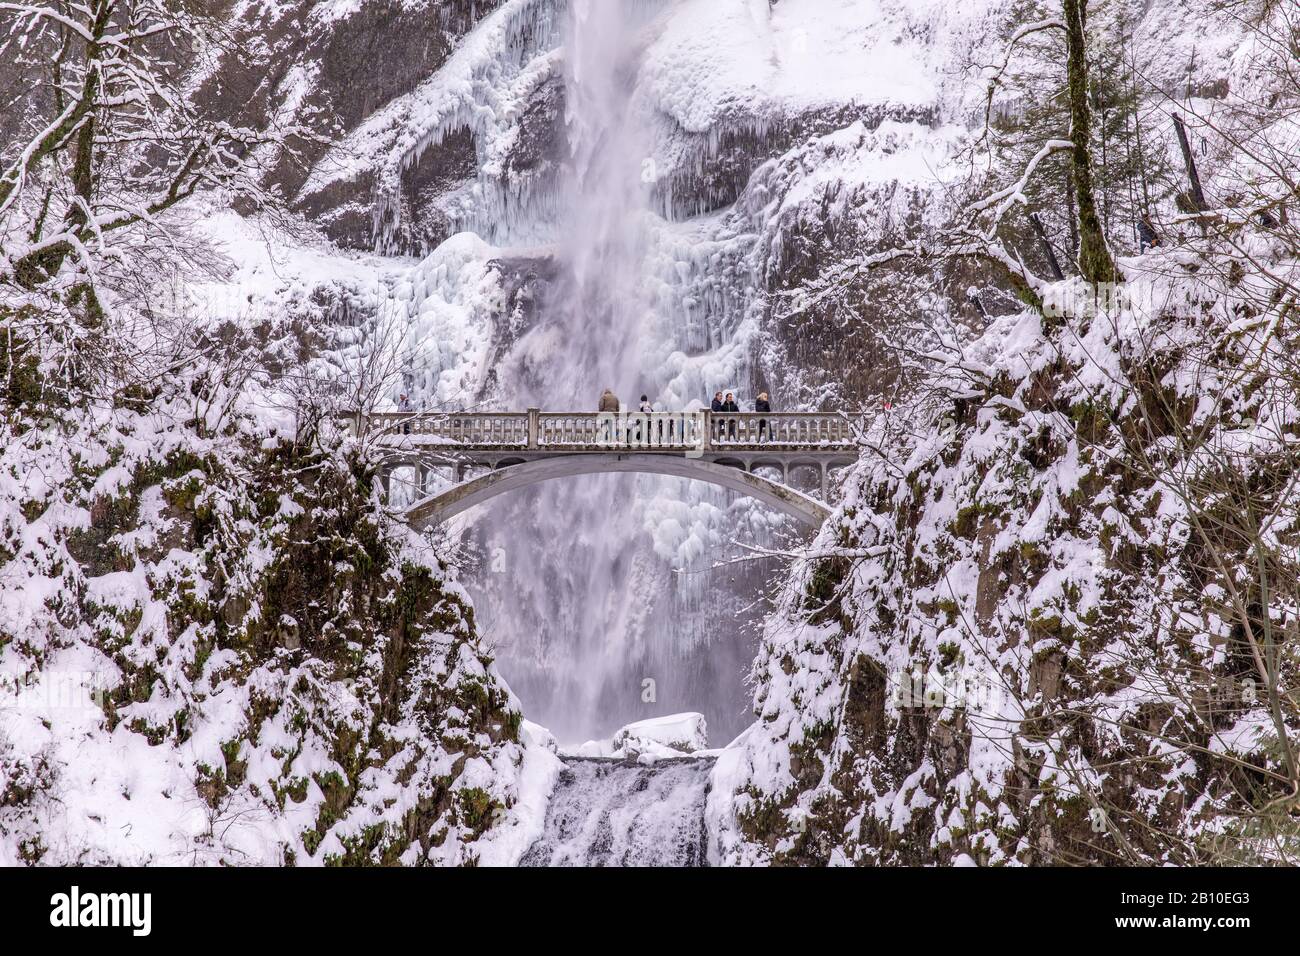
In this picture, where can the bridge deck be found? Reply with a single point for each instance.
(812, 435)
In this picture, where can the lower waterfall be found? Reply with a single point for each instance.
(607, 812)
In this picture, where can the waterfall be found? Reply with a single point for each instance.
(589, 622)
(620, 813)
(590, 337)
(598, 595)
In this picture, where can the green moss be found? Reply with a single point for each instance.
(1091, 421)
(311, 840)
(211, 785)
(949, 608)
(294, 789)
(476, 809)
(373, 846)
(967, 522)
(1043, 623)
(963, 526)
(514, 722)
(822, 598)
(763, 820)
(235, 768)
(22, 386)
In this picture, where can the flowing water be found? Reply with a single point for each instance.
(618, 813)
(591, 625)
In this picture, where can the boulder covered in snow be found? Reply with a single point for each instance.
(672, 736)
(681, 733)
(535, 735)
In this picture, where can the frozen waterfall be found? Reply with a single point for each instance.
(590, 624)
(622, 813)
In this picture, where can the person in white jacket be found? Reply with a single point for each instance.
(643, 425)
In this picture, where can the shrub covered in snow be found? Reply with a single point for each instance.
(1051, 629)
(265, 667)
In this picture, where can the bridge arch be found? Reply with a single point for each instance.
(463, 496)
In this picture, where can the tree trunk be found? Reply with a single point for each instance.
(1095, 262)
(1048, 251)
(1193, 177)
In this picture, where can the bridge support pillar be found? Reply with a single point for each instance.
(386, 481)
(825, 496)
(534, 427)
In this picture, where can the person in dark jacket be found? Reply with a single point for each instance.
(761, 404)
(715, 407)
(1147, 236)
(730, 406)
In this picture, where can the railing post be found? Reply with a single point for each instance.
(706, 439)
(534, 427)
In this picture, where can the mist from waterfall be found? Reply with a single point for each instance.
(591, 626)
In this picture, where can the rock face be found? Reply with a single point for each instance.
(314, 71)
(684, 733)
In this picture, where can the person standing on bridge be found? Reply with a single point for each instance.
(730, 406)
(404, 406)
(643, 423)
(716, 407)
(608, 406)
(761, 404)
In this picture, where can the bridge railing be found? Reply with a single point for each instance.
(801, 429)
(471, 429)
(538, 430)
(564, 430)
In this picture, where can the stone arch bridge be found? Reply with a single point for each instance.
(517, 449)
